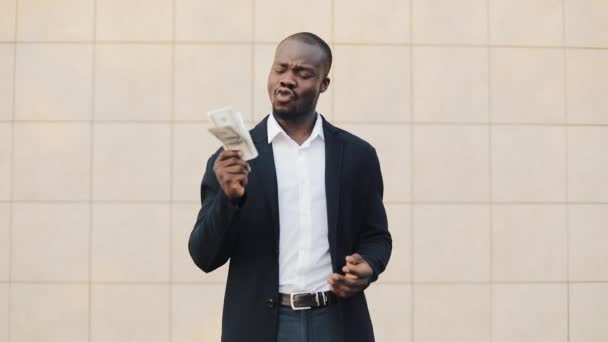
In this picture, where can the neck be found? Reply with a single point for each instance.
(298, 128)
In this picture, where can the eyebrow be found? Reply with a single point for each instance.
(299, 66)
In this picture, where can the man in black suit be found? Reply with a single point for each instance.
(303, 224)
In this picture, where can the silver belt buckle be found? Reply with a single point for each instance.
(293, 304)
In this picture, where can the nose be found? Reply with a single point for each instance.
(287, 81)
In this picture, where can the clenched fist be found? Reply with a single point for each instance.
(231, 172)
(357, 275)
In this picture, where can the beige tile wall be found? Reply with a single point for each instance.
(490, 118)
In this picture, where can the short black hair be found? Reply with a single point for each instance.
(313, 39)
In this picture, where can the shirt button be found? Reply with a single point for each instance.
(270, 303)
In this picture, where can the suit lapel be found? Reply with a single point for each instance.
(263, 168)
(333, 167)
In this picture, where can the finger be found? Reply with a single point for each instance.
(343, 292)
(244, 181)
(341, 282)
(225, 154)
(353, 283)
(345, 269)
(337, 290)
(239, 192)
(234, 184)
(334, 279)
(237, 169)
(340, 293)
(233, 180)
(231, 161)
(348, 272)
(350, 276)
(240, 180)
(362, 270)
(238, 188)
(337, 284)
(354, 259)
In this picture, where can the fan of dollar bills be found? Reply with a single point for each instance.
(229, 128)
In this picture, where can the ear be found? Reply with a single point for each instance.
(325, 84)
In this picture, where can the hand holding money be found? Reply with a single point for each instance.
(229, 128)
(231, 172)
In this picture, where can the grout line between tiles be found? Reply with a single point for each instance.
(100, 201)
(418, 123)
(252, 114)
(91, 174)
(334, 43)
(490, 173)
(412, 178)
(404, 123)
(566, 176)
(195, 202)
(172, 171)
(447, 283)
(11, 186)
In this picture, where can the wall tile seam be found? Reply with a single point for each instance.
(274, 43)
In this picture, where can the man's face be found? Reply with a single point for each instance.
(296, 78)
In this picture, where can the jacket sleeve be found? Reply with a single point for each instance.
(375, 242)
(212, 239)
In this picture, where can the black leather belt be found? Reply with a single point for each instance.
(307, 301)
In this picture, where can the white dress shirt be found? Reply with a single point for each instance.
(304, 259)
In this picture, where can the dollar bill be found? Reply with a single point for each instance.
(229, 128)
(223, 117)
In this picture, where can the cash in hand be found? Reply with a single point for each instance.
(229, 128)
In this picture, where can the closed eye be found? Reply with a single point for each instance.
(306, 74)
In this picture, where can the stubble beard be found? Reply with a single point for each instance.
(287, 115)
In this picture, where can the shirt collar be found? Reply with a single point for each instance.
(274, 129)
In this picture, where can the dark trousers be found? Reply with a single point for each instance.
(316, 325)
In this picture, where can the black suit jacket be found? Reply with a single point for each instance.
(248, 235)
